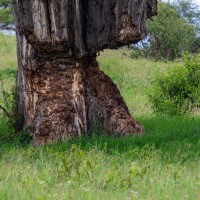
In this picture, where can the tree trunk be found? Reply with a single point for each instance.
(60, 89)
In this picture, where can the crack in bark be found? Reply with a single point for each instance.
(49, 18)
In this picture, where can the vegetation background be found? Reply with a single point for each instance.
(6, 16)
(162, 164)
(173, 31)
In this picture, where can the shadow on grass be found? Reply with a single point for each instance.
(176, 139)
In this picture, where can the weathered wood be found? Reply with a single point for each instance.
(80, 27)
(60, 89)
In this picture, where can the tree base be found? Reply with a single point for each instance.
(62, 98)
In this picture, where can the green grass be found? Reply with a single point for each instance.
(162, 164)
(8, 61)
(132, 77)
(7, 52)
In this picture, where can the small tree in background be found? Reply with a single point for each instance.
(172, 32)
(6, 16)
(190, 11)
(5, 3)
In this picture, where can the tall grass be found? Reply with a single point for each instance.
(162, 164)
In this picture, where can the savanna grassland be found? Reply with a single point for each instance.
(162, 164)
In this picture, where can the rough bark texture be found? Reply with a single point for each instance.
(60, 89)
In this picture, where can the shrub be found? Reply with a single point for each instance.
(177, 90)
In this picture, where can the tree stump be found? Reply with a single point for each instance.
(60, 89)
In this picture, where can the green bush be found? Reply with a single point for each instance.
(6, 12)
(177, 90)
(6, 15)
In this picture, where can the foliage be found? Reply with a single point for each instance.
(195, 46)
(190, 11)
(5, 3)
(169, 35)
(6, 16)
(178, 89)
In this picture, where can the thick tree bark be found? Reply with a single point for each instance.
(60, 89)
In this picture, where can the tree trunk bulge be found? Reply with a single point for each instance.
(60, 88)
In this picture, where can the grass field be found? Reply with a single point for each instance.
(162, 164)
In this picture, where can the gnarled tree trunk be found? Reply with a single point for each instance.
(60, 88)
